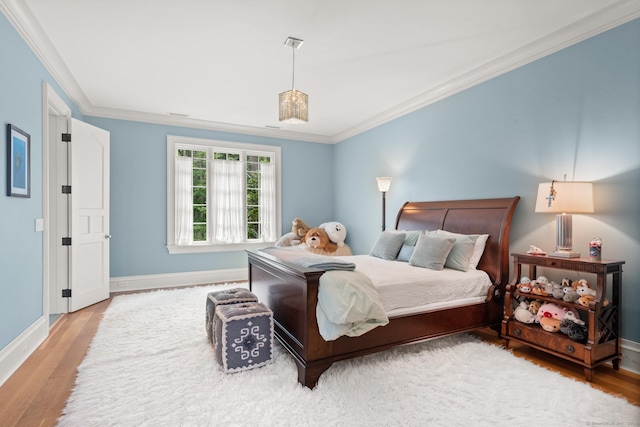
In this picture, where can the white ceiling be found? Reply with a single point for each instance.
(223, 63)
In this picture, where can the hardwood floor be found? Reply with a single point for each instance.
(36, 394)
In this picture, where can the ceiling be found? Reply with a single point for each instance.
(220, 65)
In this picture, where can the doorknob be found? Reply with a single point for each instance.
(107, 236)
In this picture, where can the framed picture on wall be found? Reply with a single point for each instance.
(18, 162)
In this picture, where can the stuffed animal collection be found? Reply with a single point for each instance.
(326, 239)
(553, 317)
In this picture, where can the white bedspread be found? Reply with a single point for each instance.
(401, 285)
(348, 304)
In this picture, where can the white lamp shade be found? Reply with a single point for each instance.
(384, 182)
(571, 197)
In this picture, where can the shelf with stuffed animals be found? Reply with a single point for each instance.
(576, 319)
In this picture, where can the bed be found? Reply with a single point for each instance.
(291, 291)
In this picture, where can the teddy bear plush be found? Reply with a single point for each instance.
(294, 237)
(318, 241)
(299, 228)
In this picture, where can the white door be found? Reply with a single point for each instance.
(89, 215)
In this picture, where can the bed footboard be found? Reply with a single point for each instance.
(292, 293)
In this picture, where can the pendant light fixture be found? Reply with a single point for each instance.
(294, 105)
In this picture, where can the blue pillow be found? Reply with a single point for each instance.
(461, 253)
(388, 245)
(431, 251)
(409, 244)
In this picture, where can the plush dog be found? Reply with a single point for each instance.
(317, 238)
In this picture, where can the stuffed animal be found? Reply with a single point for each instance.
(549, 309)
(538, 289)
(575, 331)
(550, 324)
(317, 238)
(570, 295)
(574, 318)
(522, 313)
(542, 280)
(298, 231)
(534, 306)
(556, 290)
(585, 300)
(525, 285)
(299, 228)
(585, 290)
(337, 232)
(289, 239)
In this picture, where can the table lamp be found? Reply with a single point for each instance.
(564, 198)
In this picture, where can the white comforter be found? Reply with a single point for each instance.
(348, 304)
(401, 285)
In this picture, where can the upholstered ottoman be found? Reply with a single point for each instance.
(243, 336)
(229, 296)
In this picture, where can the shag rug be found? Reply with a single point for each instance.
(150, 364)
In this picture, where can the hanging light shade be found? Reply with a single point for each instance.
(294, 105)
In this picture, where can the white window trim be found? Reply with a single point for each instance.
(172, 142)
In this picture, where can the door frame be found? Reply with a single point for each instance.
(52, 104)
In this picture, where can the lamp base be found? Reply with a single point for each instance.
(565, 254)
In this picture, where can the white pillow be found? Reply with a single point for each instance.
(478, 249)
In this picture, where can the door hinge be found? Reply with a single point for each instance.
(66, 241)
(66, 137)
(66, 189)
(66, 293)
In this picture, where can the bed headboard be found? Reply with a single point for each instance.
(483, 216)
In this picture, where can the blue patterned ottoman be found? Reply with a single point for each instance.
(229, 296)
(243, 336)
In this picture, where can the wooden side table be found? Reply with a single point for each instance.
(603, 321)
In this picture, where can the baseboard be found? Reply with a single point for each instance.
(630, 356)
(171, 280)
(17, 351)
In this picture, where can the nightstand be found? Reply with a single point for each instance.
(603, 321)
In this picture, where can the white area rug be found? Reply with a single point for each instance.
(150, 365)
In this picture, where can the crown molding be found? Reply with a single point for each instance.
(22, 18)
(605, 19)
(189, 122)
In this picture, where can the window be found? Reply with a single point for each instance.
(222, 196)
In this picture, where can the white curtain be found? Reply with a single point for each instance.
(228, 201)
(184, 200)
(267, 215)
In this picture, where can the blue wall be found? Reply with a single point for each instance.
(21, 271)
(575, 112)
(139, 195)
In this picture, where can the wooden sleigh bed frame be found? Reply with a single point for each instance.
(291, 291)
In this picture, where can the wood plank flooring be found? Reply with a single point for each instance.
(36, 394)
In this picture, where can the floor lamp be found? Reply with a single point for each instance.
(564, 198)
(384, 182)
